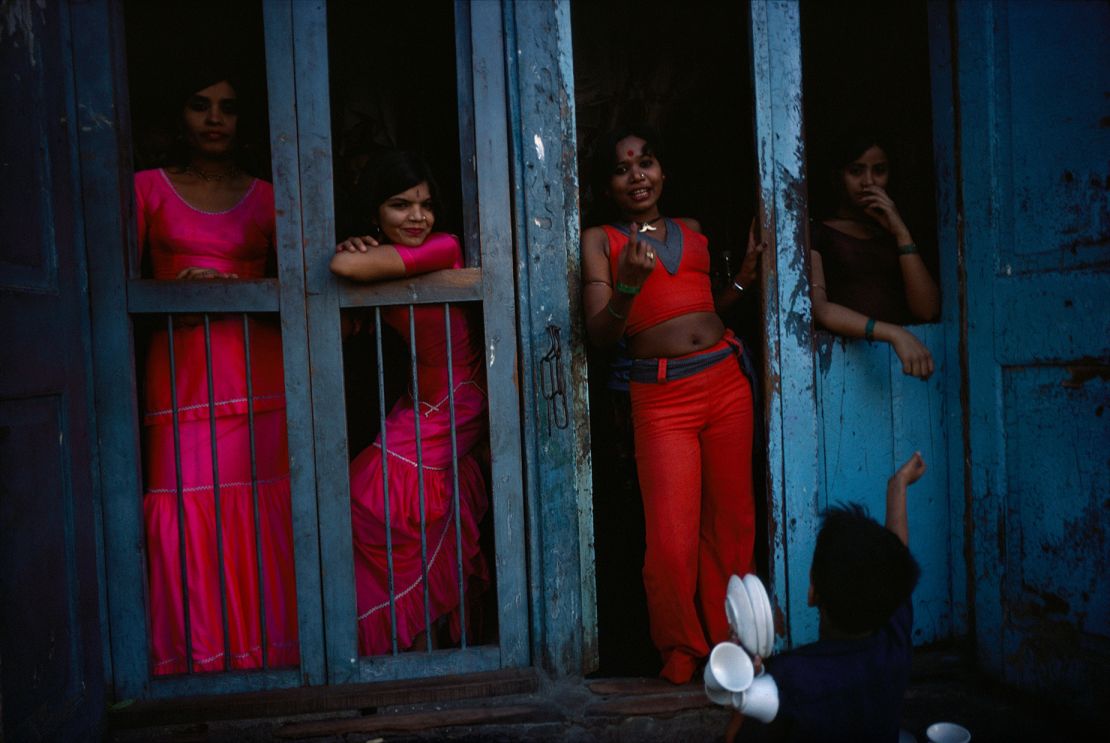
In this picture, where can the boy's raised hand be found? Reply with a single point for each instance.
(911, 470)
(897, 519)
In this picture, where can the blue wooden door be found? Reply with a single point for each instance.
(308, 299)
(51, 686)
(301, 134)
(790, 404)
(1030, 117)
(841, 415)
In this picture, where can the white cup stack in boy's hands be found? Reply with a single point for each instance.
(748, 609)
(760, 700)
(728, 671)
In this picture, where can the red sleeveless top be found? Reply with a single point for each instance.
(664, 296)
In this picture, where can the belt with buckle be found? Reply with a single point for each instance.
(655, 371)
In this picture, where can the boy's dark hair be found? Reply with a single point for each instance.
(861, 571)
(388, 174)
(603, 157)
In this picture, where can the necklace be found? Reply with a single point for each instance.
(210, 176)
(647, 226)
(669, 250)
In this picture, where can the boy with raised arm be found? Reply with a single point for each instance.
(849, 685)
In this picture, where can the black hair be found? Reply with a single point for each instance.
(603, 157)
(388, 174)
(190, 80)
(838, 152)
(849, 145)
(861, 571)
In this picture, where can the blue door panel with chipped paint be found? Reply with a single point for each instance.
(1031, 119)
(871, 418)
(308, 299)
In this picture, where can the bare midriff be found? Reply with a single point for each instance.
(678, 336)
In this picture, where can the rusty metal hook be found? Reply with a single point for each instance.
(551, 382)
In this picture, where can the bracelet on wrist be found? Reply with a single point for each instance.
(628, 289)
(614, 313)
(869, 329)
(907, 249)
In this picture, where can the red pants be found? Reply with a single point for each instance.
(693, 456)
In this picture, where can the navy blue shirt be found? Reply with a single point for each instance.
(844, 690)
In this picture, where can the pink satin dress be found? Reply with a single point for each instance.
(239, 240)
(368, 503)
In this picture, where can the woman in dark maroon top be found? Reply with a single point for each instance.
(866, 274)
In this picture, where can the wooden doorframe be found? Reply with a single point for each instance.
(789, 383)
(553, 379)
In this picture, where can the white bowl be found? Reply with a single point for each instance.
(947, 732)
(741, 614)
(764, 620)
(769, 616)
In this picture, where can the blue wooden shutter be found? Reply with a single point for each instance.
(50, 634)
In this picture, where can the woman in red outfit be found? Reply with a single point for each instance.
(646, 279)
(866, 273)
(416, 516)
(222, 587)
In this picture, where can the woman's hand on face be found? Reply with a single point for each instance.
(915, 357)
(196, 272)
(880, 207)
(636, 262)
(357, 245)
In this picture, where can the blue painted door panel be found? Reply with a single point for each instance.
(553, 359)
(301, 141)
(841, 416)
(308, 299)
(1033, 176)
(872, 417)
(790, 407)
(51, 681)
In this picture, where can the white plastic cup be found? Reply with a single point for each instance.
(729, 670)
(947, 732)
(760, 700)
(716, 694)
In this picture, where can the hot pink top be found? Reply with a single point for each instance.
(439, 251)
(238, 240)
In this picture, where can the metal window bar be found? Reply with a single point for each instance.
(385, 479)
(216, 489)
(420, 480)
(180, 497)
(448, 299)
(455, 474)
(254, 493)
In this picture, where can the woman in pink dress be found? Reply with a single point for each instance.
(401, 197)
(206, 219)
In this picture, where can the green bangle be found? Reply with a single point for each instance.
(907, 249)
(627, 289)
(614, 313)
(869, 330)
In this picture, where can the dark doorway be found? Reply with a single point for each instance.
(866, 67)
(684, 69)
